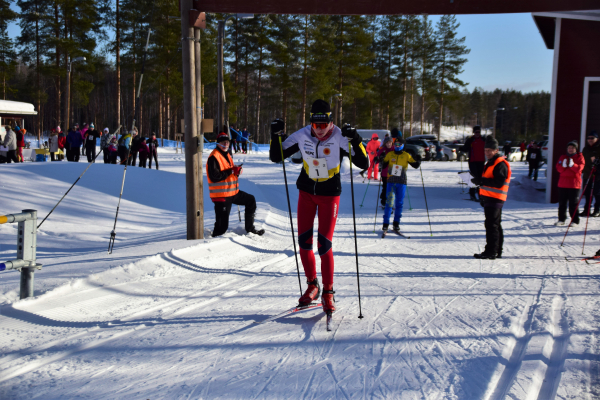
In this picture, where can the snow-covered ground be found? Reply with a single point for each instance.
(166, 318)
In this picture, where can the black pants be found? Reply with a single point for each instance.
(223, 208)
(111, 157)
(12, 156)
(143, 161)
(90, 152)
(533, 171)
(133, 157)
(588, 195)
(494, 236)
(123, 153)
(244, 147)
(383, 195)
(106, 156)
(570, 197)
(153, 154)
(73, 154)
(234, 146)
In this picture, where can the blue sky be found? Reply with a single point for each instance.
(507, 52)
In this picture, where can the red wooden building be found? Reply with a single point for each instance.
(575, 104)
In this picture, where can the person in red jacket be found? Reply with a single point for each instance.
(474, 146)
(143, 152)
(569, 166)
(372, 148)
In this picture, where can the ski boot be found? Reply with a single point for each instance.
(327, 299)
(312, 293)
(595, 214)
(559, 223)
(259, 232)
(396, 227)
(598, 253)
(499, 254)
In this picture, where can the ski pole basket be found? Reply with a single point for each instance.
(26, 249)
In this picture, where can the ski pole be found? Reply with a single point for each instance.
(425, 195)
(589, 205)
(287, 193)
(377, 204)
(354, 221)
(363, 200)
(239, 214)
(65, 195)
(408, 195)
(580, 198)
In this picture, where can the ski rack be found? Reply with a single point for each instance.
(26, 249)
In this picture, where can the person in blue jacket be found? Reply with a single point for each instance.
(244, 138)
(74, 140)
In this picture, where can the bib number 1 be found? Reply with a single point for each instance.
(317, 168)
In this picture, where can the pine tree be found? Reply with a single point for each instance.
(8, 56)
(426, 56)
(449, 59)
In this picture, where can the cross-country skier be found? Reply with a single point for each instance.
(372, 148)
(397, 162)
(492, 192)
(224, 188)
(323, 145)
(388, 145)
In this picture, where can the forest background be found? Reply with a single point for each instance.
(391, 71)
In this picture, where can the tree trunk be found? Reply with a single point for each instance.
(441, 104)
(305, 72)
(412, 95)
(258, 91)
(387, 94)
(118, 62)
(341, 72)
(246, 92)
(37, 68)
(57, 77)
(404, 81)
(422, 96)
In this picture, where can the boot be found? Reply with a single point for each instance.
(485, 256)
(596, 213)
(385, 227)
(472, 194)
(259, 232)
(327, 299)
(396, 226)
(312, 293)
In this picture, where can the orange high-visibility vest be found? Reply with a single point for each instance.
(497, 193)
(228, 187)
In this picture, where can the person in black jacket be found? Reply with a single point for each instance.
(474, 146)
(506, 149)
(90, 142)
(224, 190)
(534, 158)
(493, 191)
(153, 146)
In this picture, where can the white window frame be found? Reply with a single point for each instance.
(584, 108)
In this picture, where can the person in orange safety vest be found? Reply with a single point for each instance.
(493, 190)
(224, 188)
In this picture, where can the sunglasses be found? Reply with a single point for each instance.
(319, 125)
(592, 138)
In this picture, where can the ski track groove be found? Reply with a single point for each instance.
(274, 373)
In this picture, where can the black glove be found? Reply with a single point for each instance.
(417, 158)
(348, 131)
(476, 181)
(277, 126)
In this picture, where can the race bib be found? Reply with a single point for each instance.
(317, 168)
(91, 137)
(397, 170)
(533, 156)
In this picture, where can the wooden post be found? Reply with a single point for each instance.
(189, 114)
(200, 134)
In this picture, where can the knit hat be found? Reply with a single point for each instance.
(92, 125)
(320, 112)
(593, 133)
(396, 133)
(387, 140)
(221, 137)
(105, 129)
(491, 143)
(574, 144)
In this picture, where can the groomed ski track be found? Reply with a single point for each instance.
(163, 317)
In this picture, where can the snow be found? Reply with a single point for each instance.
(163, 317)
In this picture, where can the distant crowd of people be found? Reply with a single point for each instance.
(14, 141)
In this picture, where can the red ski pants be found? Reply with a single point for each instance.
(327, 207)
(373, 168)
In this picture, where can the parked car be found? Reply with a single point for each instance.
(460, 155)
(515, 154)
(429, 148)
(449, 152)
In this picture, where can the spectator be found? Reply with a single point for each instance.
(234, 138)
(534, 157)
(153, 147)
(112, 150)
(74, 140)
(10, 141)
(474, 146)
(20, 134)
(91, 134)
(62, 142)
(372, 148)
(53, 144)
(569, 166)
(396, 133)
(143, 151)
(522, 147)
(105, 140)
(506, 149)
(591, 153)
(244, 140)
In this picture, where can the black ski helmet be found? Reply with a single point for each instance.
(320, 112)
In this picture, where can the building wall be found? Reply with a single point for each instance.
(579, 57)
